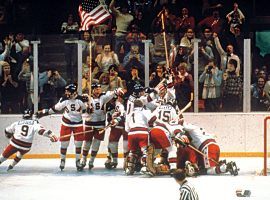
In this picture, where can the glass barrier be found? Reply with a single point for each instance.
(215, 76)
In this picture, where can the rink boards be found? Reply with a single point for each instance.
(238, 134)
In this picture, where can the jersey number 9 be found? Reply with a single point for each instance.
(24, 130)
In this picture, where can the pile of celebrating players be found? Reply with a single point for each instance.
(157, 140)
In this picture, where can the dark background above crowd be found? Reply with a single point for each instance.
(45, 17)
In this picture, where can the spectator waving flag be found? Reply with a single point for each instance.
(92, 13)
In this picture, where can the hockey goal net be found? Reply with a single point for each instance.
(266, 129)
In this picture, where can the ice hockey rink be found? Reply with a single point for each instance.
(42, 179)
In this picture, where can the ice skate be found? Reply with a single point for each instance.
(10, 167)
(145, 171)
(232, 168)
(90, 165)
(190, 170)
(62, 164)
(129, 171)
(83, 163)
(108, 163)
(79, 166)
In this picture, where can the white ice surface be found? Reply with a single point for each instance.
(41, 179)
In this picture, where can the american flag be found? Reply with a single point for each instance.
(92, 13)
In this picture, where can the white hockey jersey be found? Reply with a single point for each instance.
(145, 100)
(165, 113)
(119, 111)
(137, 121)
(73, 108)
(97, 118)
(200, 138)
(23, 133)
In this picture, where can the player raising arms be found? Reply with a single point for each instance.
(22, 134)
(117, 130)
(73, 106)
(96, 121)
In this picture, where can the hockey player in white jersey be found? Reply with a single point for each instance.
(73, 105)
(206, 143)
(138, 136)
(161, 134)
(96, 122)
(117, 121)
(21, 134)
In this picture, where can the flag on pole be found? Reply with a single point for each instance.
(92, 13)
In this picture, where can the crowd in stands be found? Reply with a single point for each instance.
(120, 61)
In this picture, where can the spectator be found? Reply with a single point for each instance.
(123, 19)
(254, 75)
(232, 89)
(141, 23)
(211, 79)
(135, 37)
(235, 17)
(157, 76)
(206, 49)
(236, 38)
(9, 91)
(106, 58)
(226, 56)
(133, 79)
(183, 55)
(259, 100)
(70, 26)
(214, 21)
(169, 22)
(6, 52)
(86, 83)
(183, 23)
(86, 38)
(22, 47)
(187, 38)
(26, 75)
(134, 58)
(53, 78)
(115, 80)
(184, 85)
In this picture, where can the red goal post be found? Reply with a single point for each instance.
(265, 167)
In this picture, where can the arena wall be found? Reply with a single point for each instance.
(238, 134)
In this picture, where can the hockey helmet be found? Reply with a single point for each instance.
(27, 114)
(137, 89)
(170, 101)
(95, 85)
(72, 88)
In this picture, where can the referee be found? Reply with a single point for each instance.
(187, 191)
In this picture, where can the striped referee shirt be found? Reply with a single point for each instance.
(188, 192)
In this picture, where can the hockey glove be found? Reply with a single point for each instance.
(119, 91)
(8, 134)
(85, 98)
(53, 138)
(42, 113)
(182, 140)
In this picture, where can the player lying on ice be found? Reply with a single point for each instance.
(197, 152)
(202, 149)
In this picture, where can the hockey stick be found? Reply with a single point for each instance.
(105, 128)
(198, 151)
(74, 134)
(187, 106)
